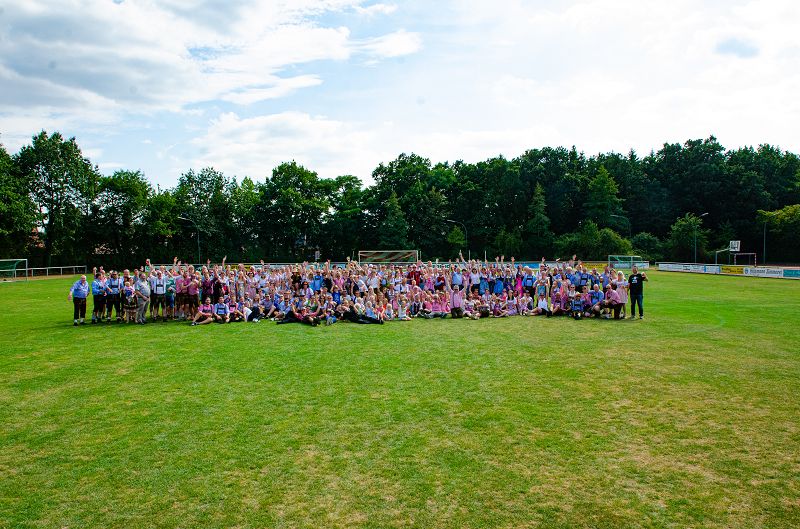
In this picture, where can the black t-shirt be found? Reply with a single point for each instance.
(636, 283)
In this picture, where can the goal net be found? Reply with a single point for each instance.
(626, 262)
(388, 256)
(13, 269)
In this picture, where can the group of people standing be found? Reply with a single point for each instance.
(313, 293)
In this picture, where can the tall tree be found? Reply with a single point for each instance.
(687, 234)
(538, 238)
(63, 183)
(394, 230)
(117, 218)
(17, 210)
(602, 202)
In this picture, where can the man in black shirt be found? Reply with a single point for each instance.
(636, 289)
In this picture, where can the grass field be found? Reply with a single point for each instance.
(689, 418)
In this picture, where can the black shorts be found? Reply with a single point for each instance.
(99, 301)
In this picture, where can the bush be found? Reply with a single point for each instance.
(591, 243)
(648, 246)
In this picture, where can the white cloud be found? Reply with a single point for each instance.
(484, 78)
(376, 9)
(394, 44)
(254, 146)
(281, 88)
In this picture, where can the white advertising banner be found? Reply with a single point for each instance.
(763, 272)
(682, 267)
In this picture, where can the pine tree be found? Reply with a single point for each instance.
(394, 229)
(538, 237)
(602, 201)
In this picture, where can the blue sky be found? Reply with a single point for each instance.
(341, 85)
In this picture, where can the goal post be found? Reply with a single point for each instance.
(626, 262)
(13, 269)
(388, 256)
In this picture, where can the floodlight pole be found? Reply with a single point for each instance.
(764, 252)
(197, 229)
(466, 240)
(695, 236)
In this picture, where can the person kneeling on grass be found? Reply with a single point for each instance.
(597, 299)
(612, 301)
(221, 312)
(205, 313)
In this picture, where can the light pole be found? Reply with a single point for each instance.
(197, 229)
(627, 221)
(695, 236)
(466, 240)
(764, 252)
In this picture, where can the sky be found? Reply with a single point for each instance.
(343, 85)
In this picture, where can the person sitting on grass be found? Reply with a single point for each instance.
(221, 313)
(205, 313)
(235, 309)
(542, 307)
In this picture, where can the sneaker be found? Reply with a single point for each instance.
(641, 317)
(75, 323)
(633, 316)
(193, 324)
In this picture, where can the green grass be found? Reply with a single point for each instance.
(689, 418)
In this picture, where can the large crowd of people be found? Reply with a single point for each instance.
(314, 294)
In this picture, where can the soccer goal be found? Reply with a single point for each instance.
(388, 256)
(13, 269)
(626, 262)
(744, 258)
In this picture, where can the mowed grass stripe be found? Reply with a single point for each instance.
(688, 418)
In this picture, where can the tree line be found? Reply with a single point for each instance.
(58, 209)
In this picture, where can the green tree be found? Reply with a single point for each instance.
(682, 237)
(456, 239)
(783, 233)
(648, 246)
(394, 230)
(508, 243)
(117, 218)
(343, 231)
(63, 183)
(537, 235)
(602, 201)
(17, 210)
(592, 243)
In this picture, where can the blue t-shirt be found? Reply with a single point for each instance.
(596, 296)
